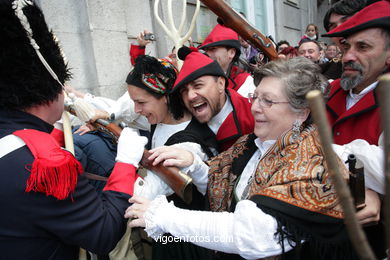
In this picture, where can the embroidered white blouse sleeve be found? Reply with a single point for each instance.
(236, 233)
(372, 157)
(151, 186)
(198, 171)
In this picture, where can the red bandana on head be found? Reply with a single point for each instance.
(156, 81)
(54, 170)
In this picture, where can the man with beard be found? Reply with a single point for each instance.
(202, 84)
(340, 12)
(366, 48)
(353, 109)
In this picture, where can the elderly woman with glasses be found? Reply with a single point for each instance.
(270, 194)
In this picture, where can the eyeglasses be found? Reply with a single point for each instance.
(263, 102)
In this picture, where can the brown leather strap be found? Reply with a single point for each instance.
(95, 177)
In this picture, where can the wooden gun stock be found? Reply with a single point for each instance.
(237, 23)
(178, 181)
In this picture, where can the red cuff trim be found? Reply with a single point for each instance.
(122, 178)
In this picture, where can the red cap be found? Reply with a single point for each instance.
(376, 15)
(195, 65)
(222, 36)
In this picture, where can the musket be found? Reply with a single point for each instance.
(384, 97)
(179, 182)
(236, 22)
(356, 181)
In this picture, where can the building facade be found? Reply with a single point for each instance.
(96, 34)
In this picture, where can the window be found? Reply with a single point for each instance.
(260, 13)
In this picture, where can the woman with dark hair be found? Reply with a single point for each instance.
(170, 123)
(168, 120)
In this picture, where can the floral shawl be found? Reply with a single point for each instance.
(291, 183)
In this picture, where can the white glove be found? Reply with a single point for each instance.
(130, 147)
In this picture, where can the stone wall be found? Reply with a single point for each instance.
(96, 34)
(292, 17)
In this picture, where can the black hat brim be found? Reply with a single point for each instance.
(211, 69)
(230, 43)
(383, 22)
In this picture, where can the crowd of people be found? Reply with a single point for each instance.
(238, 124)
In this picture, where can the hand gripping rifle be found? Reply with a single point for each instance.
(236, 22)
(176, 180)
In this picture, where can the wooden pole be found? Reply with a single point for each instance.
(356, 234)
(69, 145)
(384, 99)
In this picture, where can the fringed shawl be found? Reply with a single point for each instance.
(291, 183)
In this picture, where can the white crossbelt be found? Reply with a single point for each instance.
(9, 144)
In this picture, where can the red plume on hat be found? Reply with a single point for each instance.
(195, 65)
(222, 36)
(376, 15)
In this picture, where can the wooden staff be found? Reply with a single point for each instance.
(355, 230)
(384, 98)
(236, 22)
(67, 128)
(69, 145)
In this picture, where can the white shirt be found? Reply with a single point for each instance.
(217, 120)
(251, 166)
(352, 98)
(164, 131)
(372, 156)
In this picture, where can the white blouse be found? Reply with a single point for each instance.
(248, 231)
(164, 131)
(152, 186)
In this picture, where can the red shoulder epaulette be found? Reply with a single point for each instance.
(54, 170)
